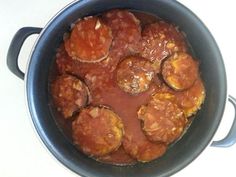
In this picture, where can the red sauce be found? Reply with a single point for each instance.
(105, 91)
(102, 84)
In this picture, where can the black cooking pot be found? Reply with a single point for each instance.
(197, 137)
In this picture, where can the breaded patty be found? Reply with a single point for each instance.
(97, 131)
(160, 40)
(162, 120)
(69, 94)
(89, 41)
(180, 71)
(134, 74)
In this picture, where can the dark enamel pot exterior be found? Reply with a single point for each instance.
(198, 136)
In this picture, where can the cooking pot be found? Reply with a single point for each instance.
(203, 127)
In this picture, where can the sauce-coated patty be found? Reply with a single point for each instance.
(89, 41)
(97, 130)
(142, 149)
(126, 31)
(134, 74)
(163, 120)
(160, 40)
(69, 94)
(189, 100)
(180, 71)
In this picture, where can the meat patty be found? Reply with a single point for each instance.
(162, 120)
(69, 94)
(65, 64)
(160, 40)
(134, 74)
(189, 100)
(89, 41)
(119, 157)
(126, 31)
(143, 150)
(180, 71)
(97, 131)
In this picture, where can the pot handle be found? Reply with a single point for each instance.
(230, 138)
(15, 47)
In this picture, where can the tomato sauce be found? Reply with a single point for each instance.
(103, 90)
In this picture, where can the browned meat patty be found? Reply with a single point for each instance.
(142, 149)
(126, 31)
(180, 71)
(189, 100)
(89, 41)
(134, 74)
(69, 94)
(162, 120)
(97, 131)
(160, 40)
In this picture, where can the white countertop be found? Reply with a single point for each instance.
(23, 155)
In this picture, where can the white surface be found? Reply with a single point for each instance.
(22, 154)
